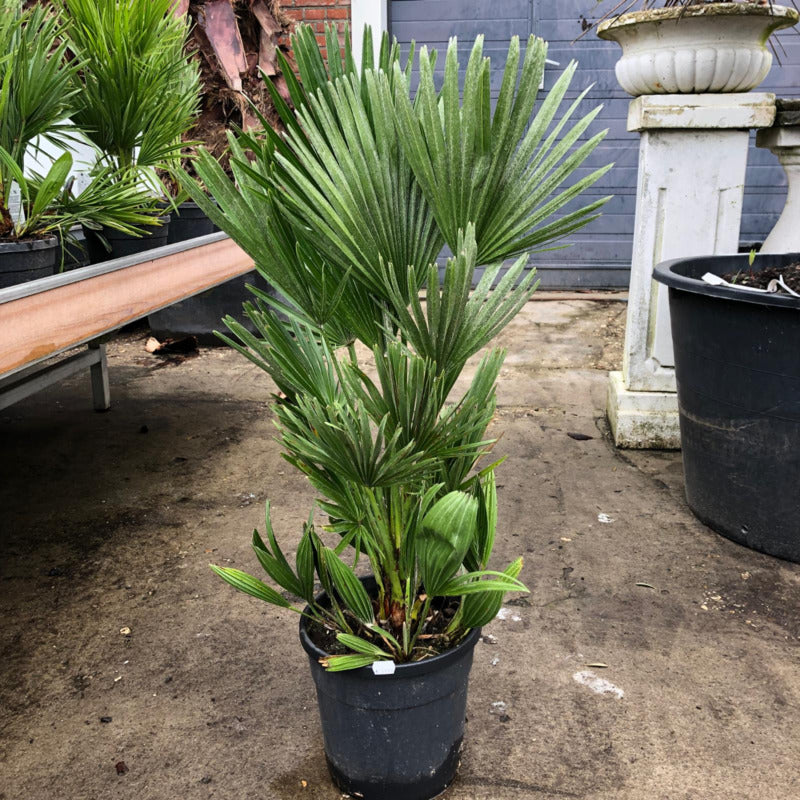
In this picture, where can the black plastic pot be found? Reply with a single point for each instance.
(123, 244)
(27, 260)
(394, 737)
(189, 223)
(737, 365)
(202, 314)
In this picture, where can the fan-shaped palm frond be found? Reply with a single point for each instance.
(346, 213)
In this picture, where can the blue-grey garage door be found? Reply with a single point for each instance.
(601, 253)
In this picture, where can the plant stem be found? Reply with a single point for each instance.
(423, 616)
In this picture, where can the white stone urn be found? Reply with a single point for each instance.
(716, 47)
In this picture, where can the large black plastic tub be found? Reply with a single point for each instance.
(394, 737)
(737, 365)
(202, 314)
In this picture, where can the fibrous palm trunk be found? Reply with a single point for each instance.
(236, 42)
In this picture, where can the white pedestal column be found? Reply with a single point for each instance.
(692, 160)
(374, 13)
(785, 143)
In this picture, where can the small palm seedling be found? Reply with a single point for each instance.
(346, 215)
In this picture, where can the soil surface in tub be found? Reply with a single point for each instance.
(431, 642)
(760, 279)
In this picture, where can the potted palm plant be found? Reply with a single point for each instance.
(136, 96)
(692, 46)
(28, 110)
(37, 211)
(346, 214)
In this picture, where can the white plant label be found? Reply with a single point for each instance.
(383, 667)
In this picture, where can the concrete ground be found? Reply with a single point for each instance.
(652, 660)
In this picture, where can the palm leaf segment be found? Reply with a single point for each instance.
(346, 214)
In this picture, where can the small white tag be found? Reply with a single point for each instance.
(383, 667)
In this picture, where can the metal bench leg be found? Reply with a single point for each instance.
(101, 392)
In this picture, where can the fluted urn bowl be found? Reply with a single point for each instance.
(718, 47)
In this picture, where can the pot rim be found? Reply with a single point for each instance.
(666, 273)
(408, 670)
(21, 245)
(189, 205)
(784, 16)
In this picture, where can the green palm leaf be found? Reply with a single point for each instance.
(349, 587)
(481, 607)
(444, 538)
(250, 585)
(494, 174)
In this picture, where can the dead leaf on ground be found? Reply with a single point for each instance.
(187, 344)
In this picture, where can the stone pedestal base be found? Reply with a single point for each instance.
(642, 420)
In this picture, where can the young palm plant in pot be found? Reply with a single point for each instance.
(346, 214)
(29, 109)
(137, 95)
(692, 46)
(37, 212)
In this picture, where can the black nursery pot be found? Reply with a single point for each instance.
(27, 260)
(202, 314)
(393, 737)
(737, 366)
(123, 244)
(189, 223)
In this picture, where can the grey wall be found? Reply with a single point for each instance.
(600, 253)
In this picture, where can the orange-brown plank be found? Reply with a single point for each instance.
(49, 322)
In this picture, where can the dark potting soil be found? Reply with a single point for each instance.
(431, 642)
(760, 279)
(30, 237)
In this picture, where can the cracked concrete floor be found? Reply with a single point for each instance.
(107, 522)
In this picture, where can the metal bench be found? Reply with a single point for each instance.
(46, 318)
